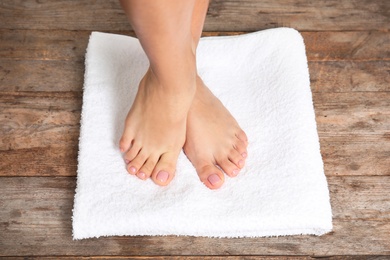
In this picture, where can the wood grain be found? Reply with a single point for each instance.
(40, 130)
(42, 47)
(41, 75)
(29, 125)
(242, 15)
(342, 112)
(170, 257)
(333, 46)
(355, 154)
(68, 76)
(349, 76)
(36, 220)
(71, 45)
(343, 155)
(360, 112)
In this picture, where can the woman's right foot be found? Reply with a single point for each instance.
(155, 127)
(214, 140)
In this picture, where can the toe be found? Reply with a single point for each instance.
(240, 146)
(236, 158)
(125, 142)
(165, 169)
(228, 167)
(132, 152)
(136, 164)
(242, 136)
(147, 169)
(211, 176)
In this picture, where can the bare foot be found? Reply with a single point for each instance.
(155, 129)
(214, 140)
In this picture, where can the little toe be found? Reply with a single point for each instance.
(242, 136)
(165, 169)
(211, 176)
(228, 167)
(125, 143)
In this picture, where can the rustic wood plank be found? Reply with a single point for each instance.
(40, 131)
(43, 45)
(331, 46)
(71, 45)
(349, 76)
(40, 140)
(243, 15)
(170, 257)
(45, 160)
(341, 112)
(365, 112)
(355, 154)
(38, 75)
(23, 47)
(67, 76)
(360, 197)
(342, 155)
(36, 220)
(303, 15)
(68, 15)
(23, 127)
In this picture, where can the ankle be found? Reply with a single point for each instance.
(174, 78)
(172, 64)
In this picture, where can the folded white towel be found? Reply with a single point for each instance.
(263, 79)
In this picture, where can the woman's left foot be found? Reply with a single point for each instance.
(214, 140)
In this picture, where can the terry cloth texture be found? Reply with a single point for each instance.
(263, 80)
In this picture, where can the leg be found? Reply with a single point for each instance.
(213, 136)
(198, 18)
(155, 126)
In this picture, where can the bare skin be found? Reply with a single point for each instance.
(155, 126)
(173, 108)
(213, 139)
(155, 130)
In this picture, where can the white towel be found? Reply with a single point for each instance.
(263, 80)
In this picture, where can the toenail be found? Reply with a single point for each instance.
(132, 170)
(235, 172)
(240, 162)
(244, 155)
(141, 175)
(127, 161)
(214, 179)
(162, 176)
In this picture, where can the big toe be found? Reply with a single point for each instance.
(211, 176)
(165, 169)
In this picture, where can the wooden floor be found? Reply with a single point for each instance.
(42, 46)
